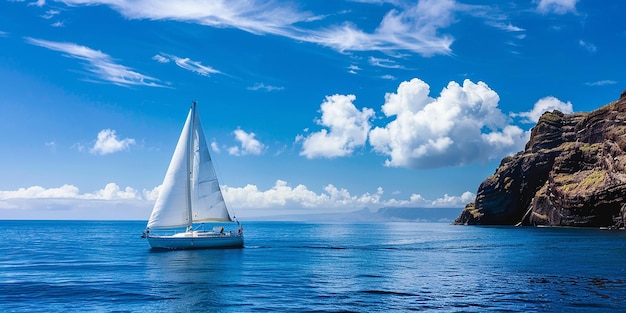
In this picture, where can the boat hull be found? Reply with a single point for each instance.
(177, 242)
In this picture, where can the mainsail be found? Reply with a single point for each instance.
(190, 191)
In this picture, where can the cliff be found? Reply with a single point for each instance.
(572, 172)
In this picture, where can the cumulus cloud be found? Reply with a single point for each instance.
(556, 6)
(347, 129)
(545, 105)
(248, 145)
(462, 126)
(98, 63)
(281, 195)
(107, 143)
(110, 192)
(68, 201)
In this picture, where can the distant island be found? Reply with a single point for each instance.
(572, 172)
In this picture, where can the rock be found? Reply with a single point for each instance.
(572, 172)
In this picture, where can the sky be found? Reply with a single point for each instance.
(309, 106)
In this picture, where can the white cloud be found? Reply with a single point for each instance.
(67, 202)
(544, 105)
(505, 26)
(407, 27)
(194, 66)
(39, 3)
(98, 63)
(415, 28)
(348, 128)
(386, 63)
(462, 126)
(602, 83)
(51, 145)
(587, 45)
(285, 197)
(262, 86)
(215, 147)
(556, 6)
(107, 143)
(248, 145)
(50, 14)
(353, 69)
(110, 192)
(161, 59)
(186, 63)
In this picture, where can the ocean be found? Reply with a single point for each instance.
(104, 266)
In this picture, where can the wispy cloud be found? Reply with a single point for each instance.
(415, 27)
(385, 63)
(161, 59)
(38, 3)
(262, 86)
(556, 6)
(505, 26)
(353, 69)
(50, 14)
(98, 63)
(186, 63)
(51, 145)
(602, 83)
(587, 45)
(108, 143)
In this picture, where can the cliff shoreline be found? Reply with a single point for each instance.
(572, 172)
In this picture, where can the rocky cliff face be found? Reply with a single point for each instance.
(572, 172)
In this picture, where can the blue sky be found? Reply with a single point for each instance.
(309, 106)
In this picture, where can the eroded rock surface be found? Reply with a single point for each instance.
(572, 172)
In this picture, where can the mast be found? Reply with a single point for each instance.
(190, 148)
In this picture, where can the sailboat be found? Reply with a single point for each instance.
(190, 212)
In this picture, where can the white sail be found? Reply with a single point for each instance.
(207, 202)
(190, 193)
(171, 207)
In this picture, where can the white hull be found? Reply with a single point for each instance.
(197, 240)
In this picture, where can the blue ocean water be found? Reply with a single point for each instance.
(104, 266)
